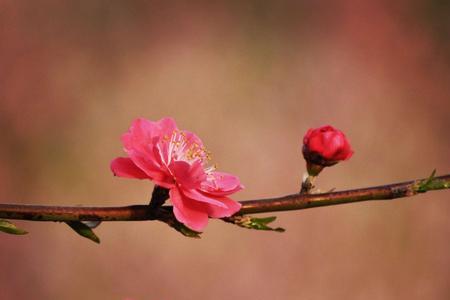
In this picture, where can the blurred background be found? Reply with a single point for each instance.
(249, 77)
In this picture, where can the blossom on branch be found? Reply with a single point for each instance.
(323, 147)
(177, 160)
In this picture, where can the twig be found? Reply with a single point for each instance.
(164, 213)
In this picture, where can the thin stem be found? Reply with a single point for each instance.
(164, 213)
(307, 184)
(159, 196)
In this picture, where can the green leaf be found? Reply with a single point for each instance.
(187, 231)
(84, 230)
(428, 184)
(256, 223)
(8, 227)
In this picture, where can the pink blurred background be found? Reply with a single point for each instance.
(249, 77)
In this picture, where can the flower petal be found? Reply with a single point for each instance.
(231, 207)
(344, 152)
(315, 143)
(190, 213)
(166, 126)
(140, 135)
(195, 195)
(139, 143)
(221, 184)
(187, 176)
(124, 167)
(329, 143)
(160, 176)
(332, 142)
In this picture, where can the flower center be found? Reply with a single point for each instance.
(184, 147)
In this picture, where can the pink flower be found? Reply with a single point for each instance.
(176, 160)
(326, 146)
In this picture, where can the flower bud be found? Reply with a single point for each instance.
(323, 147)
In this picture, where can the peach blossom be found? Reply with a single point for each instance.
(177, 160)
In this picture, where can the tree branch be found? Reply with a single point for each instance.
(164, 213)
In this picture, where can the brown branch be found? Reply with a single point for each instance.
(164, 213)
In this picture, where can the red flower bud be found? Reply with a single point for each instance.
(324, 147)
